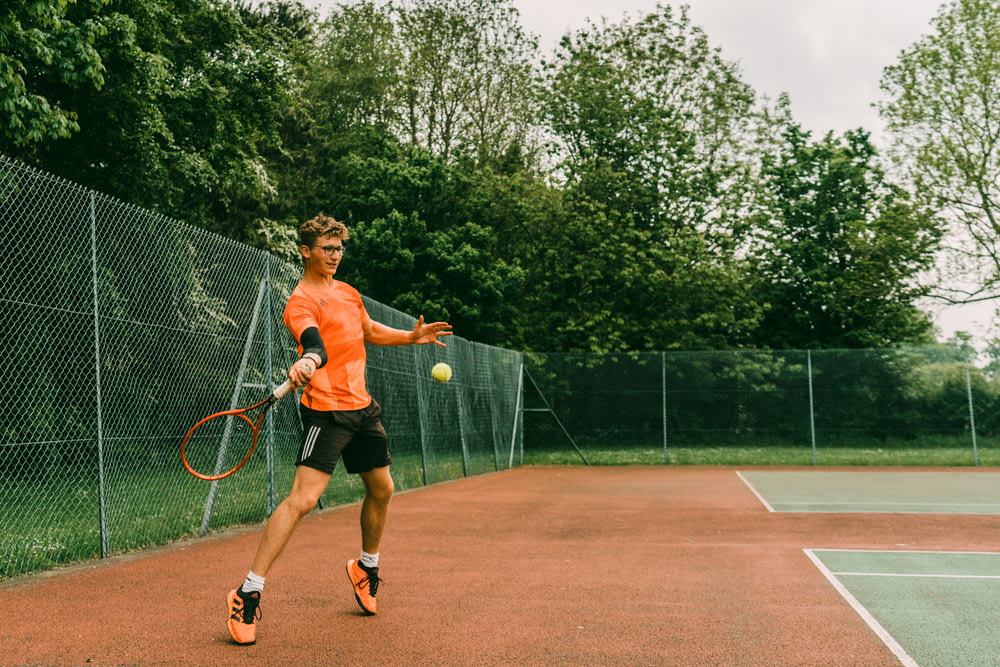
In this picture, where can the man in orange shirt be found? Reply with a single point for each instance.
(340, 419)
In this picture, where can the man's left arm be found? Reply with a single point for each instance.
(377, 333)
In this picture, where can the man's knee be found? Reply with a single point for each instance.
(379, 485)
(301, 503)
(306, 491)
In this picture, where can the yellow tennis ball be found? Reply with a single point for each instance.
(441, 372)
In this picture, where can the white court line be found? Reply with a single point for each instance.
(876, 627)
(914, 503)
(754, 491)
(911, 551)
(926, 576)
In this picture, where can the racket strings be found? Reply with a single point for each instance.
(220, 444)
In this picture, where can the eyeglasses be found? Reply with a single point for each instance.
(331, 250)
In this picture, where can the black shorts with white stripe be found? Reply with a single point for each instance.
(356, 436)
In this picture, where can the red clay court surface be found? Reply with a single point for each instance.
(532, 566)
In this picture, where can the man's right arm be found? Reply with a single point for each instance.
(312, 346)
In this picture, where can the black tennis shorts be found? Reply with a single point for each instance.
(356, 436)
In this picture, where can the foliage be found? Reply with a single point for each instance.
(189, 96)
(649, 120)
(42, 46)
(671, 211)
(466, 78)
(942, 113)
(841, 248)
(431, 261)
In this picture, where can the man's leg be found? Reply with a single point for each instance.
(374, 512)
(243, 604)
(379, 488)
(307, 488)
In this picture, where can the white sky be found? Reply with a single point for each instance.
(828, 55)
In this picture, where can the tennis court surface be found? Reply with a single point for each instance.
(934, 492)
(531, 566)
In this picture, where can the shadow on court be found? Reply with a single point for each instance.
(532, 566)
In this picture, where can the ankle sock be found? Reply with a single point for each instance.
(253, 583)
(369, 561)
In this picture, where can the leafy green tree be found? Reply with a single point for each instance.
(190, 98)
(653, 129)
(449, 274)
(467, 76)
(41, 45)
(992, 368)
(941, 112)
(342, 156)
(346, 74)
(842, 249)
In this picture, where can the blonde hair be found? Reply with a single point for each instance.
(322, 225)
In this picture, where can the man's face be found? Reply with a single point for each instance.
(324, 256)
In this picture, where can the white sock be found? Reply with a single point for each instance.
(253, 583)
(369, 560)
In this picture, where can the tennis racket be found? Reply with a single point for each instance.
(221, 443)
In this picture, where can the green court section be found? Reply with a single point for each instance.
(876, 491)
(931, 608)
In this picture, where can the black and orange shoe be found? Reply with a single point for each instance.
(244, 610)
(365, 582)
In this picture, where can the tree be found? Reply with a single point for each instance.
(41, 46)
(467, 78)
(942, 115)
(190, 98)
(652, 128)
(841, 249)
(449, 274)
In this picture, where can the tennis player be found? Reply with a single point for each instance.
(340, 419)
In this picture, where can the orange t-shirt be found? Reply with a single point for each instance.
(338, 313)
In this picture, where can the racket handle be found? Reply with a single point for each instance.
(282, 389)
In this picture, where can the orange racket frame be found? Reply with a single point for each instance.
(255, 425)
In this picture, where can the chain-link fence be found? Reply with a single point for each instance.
(911, 406)
(121, 328)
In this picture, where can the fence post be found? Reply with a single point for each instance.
(213, 488)
(972, 416)
(421, 414)
(812, 405)
(268, 369)
(518, 425)
(495, 428)
(663, 395)
(102, 505)
(460, 404)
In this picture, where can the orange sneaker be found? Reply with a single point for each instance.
(365, 584)
(244, 610)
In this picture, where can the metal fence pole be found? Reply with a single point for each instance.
(493, 417)
(663, 394)
(972, 416)
(101, 489)
(460, 403)
(518, 416)
(213, 488)
(421, 413)
(812, 405)
(268, 381)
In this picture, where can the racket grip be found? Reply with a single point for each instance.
(282, 389)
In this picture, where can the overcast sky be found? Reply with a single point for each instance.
(828, 55)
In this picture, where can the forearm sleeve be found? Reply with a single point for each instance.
(312, 342)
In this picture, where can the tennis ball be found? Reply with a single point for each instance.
(441, 372)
